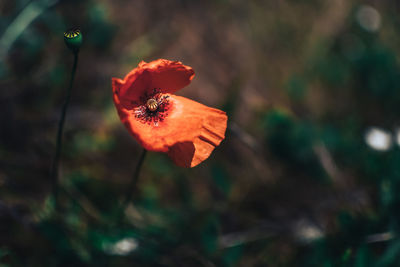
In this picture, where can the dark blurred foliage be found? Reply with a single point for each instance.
(295, 183)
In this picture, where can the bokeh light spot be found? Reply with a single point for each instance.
(122, 247)
(378, 139)
(368, 18)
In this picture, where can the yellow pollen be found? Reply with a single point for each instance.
(152, 104)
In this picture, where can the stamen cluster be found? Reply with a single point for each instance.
(154, 112)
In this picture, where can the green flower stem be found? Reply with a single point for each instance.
(54, 168)
(132, 186)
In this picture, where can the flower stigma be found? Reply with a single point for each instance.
(152, 104)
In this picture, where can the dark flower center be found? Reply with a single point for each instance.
(152, 108)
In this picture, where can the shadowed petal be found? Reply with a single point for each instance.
(165, 75)
(169, 76)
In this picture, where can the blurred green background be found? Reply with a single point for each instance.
(309, 172)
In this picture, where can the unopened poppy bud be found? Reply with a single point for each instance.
(73, 39)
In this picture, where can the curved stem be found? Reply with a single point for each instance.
(54, 167)
(132, 186)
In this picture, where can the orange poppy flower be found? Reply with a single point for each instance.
(160, 121)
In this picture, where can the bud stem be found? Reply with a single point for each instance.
(54, 168)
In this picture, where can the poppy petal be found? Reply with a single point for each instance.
(165, 75)
(169, 76)
(135, 84)
(189, 133)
